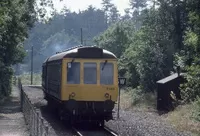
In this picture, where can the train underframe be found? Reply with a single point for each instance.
(82, 111)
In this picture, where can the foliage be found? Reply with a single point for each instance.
(149, 51)
(5, 80)
(144, 60)
(196, 112)
(110, 12)
(191, 89)
(16, 17)
(143, 54)
(136, 7)
(114, 15)
(137, 95)
(136, 99)
(115, 38)
(180, 59)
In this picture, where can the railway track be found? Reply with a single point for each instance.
(97, 132)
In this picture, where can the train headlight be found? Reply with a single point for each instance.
(69, 65)
(72, 95)
(107, 96)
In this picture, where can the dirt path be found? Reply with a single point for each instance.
(11, 119)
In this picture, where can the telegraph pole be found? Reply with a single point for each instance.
(81, 36)
(31, 64)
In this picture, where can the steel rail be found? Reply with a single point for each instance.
(104, 129)
(110, 131)
(76, 131)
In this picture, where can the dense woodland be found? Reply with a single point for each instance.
(150, 40)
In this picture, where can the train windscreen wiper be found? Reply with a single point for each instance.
(72, 60)
(69, 65)
(104, 64)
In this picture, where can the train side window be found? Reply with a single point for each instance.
(90, 73)
(73, 73)
(107, 73)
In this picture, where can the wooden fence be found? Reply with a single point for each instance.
(37, 125)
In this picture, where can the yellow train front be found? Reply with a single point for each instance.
(81, 83)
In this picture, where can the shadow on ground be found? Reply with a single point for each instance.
(61, 128)
(11, 105)
(11, 118)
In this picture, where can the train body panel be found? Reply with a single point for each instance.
(90, 93)
(93, 91)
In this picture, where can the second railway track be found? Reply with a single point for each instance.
(94, 132)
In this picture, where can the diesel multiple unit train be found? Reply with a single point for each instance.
(81, 84)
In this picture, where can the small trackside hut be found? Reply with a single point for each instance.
(81, 83)
(165, 87)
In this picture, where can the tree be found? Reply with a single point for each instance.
(191, 53)
(115, 38)
(127, 14)
(107, 5)
(136, 7)
(16, 18)
(114, 15)
(147, 54)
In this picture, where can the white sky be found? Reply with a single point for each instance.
(75, 5)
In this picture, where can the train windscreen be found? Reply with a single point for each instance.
(90, 73)
(73, 73)
(107, 73)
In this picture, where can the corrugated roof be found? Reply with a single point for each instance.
(169, 78)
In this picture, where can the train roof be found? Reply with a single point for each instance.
(82, 52)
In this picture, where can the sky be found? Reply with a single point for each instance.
(75, 5)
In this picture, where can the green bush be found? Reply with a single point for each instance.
(191, 89)
(140, 98)
(196, 110)
(5, 80)
(137, 95)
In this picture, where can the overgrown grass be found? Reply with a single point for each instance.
(135, 99)
(26, 79)
(182, 119)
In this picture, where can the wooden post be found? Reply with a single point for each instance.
(46, 130)
(118, 103)
(21, 96)
(41, 127)
(31, 122)
(37, 112)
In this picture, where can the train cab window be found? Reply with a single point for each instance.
(90, 73)
(73, 73)
(107, 73)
